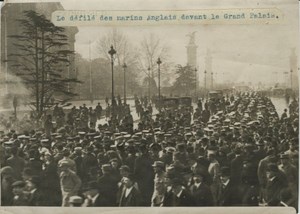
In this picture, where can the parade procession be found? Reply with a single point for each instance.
(139, 116)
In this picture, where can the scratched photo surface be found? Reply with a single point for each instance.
(149, 104)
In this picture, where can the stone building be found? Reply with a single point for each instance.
(191, 49)
(10, 12)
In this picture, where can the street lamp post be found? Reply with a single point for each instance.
(124, 67)
(275, 77)
(112, 52)
(286, 79)
(149, 94)
(196, 84)
(291, 79)
(212, 80)
(5, 54)
(205, 72)
(158, 63)
(91, 78)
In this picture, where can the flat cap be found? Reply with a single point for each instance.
(19, 184)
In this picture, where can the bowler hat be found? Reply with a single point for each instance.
(199, 172)
(131, 177)
(176, 181)
(272, 167)
(225, 171)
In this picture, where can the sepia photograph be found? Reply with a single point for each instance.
(149, 104)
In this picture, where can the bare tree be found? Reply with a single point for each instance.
(125, 51)
(151, 48)
(139, 56)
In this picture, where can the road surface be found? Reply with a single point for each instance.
(280, 105)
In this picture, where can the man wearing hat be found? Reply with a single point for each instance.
(260, 152)
(275, 184)
(98, 111)
(89, 161)
(228, 192)
(124, 172)
(131, 155)
(115, 164)
(36, 195)
(77, 158)
(159, 170)
(59, 152)
(70, 183)
(20, 198)
(66, 158)
(50, 172)
(167, 157)
(262, 169)
(237, 166)
(204, 144)
(130, 196)
(178, 196)
(201, 193)
(292, 148)
(155, 148)
(160, 189)
(48, 125)
(144, 174)
(291, 173)
(93, 198)
(214, 166)
(205, 115)
(289, 170)
(249, 186)
(160, 174)
(108, 185)
(16, 162)
(7, 179)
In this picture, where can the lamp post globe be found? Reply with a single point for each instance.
(149, 83)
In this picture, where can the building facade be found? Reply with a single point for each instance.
(10, 12)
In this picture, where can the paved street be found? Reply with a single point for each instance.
(280, 105)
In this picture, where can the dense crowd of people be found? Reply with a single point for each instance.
(229, 151)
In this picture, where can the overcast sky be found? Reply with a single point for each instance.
(245, 52)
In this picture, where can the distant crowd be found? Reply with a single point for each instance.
(230, 151)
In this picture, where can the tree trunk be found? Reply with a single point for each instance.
(37, 71)
(42, 75)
